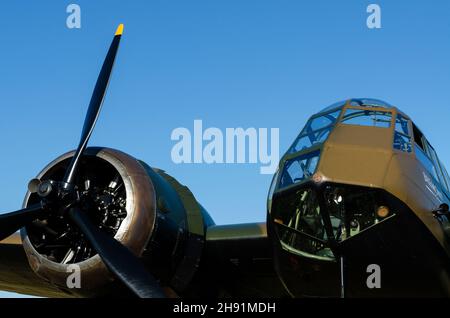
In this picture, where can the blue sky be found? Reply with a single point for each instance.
(263, 64)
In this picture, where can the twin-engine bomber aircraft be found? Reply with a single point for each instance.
(360, 189)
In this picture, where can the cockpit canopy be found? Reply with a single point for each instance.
(302, 158)
(320, 125)
(366, 102)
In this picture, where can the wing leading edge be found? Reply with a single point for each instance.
(239, 261)
(16, 275)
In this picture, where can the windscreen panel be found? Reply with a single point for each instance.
(315, 132)
(367, 117)
(299, 169)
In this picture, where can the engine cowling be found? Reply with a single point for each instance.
(152, 214)
(133, 229)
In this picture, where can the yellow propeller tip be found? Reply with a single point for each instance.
(119, 30)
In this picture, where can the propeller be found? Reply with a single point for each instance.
(95, 106)
(62, 197)
(11, 222)
(117, 257)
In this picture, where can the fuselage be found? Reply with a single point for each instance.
(358, 188)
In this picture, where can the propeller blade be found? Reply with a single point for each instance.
(95, 105)
(11, 222)
(120, 261)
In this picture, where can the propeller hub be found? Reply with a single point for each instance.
(44, 189)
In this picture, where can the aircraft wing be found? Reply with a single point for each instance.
(237, 262)
(16, 275)
(240, 259)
